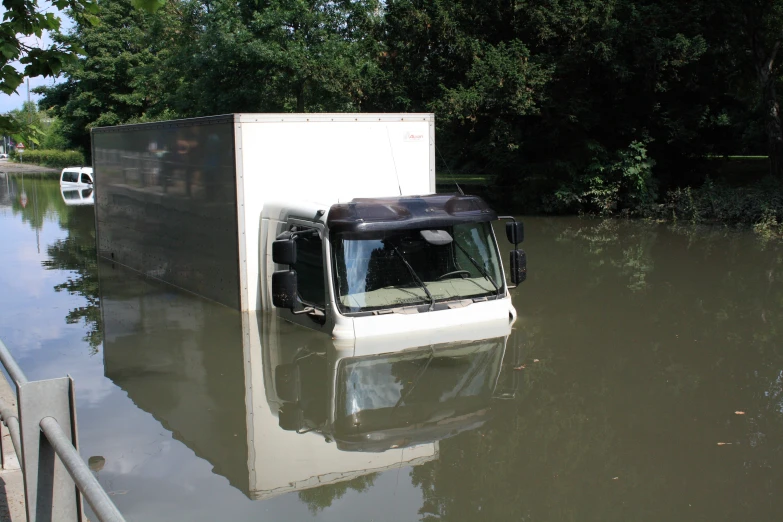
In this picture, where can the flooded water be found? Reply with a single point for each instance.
(643, 380)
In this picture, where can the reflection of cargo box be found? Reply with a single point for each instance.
(182, 201)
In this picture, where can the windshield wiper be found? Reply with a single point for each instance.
(415, 381)
(479, 267)
(416, 278)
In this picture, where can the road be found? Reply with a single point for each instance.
(13, 168)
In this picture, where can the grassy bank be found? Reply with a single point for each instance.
(758, 205)
(51, 174)
(56, 159)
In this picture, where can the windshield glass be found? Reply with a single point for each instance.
(380, 270)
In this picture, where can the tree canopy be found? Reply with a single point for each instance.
(590, 105)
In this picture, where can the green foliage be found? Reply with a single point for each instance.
(524, 92)
(610, 182)
(57, 159)
(590, 106)
(758, 205)
(122, 75)
(149, 5)
(274, 56)
(54, 139)
(25, 18)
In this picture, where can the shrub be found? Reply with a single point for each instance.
(621, 180)
(56, 159)
(759, 205)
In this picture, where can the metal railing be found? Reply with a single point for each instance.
(44, 436)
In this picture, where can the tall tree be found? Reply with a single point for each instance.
(555, 94)
(760, 24)
(121, 77)
(276, 56)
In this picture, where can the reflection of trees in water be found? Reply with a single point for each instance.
(76, 253)
(320, 498)
(622, 417)
(624, 247)
(43, 200)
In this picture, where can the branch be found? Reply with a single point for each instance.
(771, 59)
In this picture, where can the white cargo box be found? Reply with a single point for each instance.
(181, 201)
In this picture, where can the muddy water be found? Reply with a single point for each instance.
(642, 381)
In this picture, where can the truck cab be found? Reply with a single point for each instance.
(376, 266)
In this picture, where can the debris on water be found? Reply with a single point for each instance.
(96, 463)
(725, 443)
(535, 360)
(615, 478)
(739, 413)
(521, 367)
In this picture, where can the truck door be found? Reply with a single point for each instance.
(310, 272)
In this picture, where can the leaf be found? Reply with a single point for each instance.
(9, 51)
(148, 5)
(739, 413)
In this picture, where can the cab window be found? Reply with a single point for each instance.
(309, 267)
(86, 179)
(70, 177)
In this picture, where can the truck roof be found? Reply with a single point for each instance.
(408, 212)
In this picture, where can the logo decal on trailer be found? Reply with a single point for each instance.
(413, 136)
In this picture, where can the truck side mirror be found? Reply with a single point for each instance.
(284, 251)
(515, 232)
(290, 417)
(284, 289)
(518, 266)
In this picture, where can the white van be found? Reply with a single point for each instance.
(76, 176)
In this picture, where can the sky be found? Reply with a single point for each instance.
(15, 101)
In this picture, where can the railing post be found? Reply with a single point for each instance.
(50, 491)
(2, 445)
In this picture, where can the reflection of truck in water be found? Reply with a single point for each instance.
(276, 408)
(330, 218)
(373, 403)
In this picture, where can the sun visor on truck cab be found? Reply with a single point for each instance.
(408, 212)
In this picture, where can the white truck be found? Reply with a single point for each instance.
(332, 219)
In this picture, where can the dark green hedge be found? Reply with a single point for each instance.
(57, 159)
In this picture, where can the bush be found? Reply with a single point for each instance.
(612, 181)
(759, 205)
(56, 159)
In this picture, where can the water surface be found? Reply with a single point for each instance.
(643, 380)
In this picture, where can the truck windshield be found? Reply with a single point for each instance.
(376, 270)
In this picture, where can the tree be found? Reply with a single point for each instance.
(22, 20)
(759, 26)
(29, 128)
(121, 77)
(275, 56)
(538, 93)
